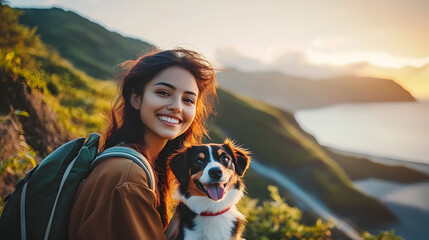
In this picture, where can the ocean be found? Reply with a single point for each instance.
(395, 130)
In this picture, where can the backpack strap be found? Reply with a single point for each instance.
(129, 153)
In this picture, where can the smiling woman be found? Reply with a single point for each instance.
(164, 101)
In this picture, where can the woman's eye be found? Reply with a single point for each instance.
(189, 101)
(162, 93)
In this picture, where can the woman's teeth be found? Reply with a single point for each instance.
(169, 119)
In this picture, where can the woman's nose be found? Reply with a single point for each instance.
(175, 106)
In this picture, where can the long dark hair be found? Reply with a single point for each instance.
(126, 127)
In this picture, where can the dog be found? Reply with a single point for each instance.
(209, 185)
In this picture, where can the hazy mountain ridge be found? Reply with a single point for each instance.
(295, 93)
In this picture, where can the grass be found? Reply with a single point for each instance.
(81, 102)
(80, 40)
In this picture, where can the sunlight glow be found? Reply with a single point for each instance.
(50, 2)
(374, 58)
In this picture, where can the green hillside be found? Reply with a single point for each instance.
(80, 40)
(33, 75)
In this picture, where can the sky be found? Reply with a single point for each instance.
(313, 39)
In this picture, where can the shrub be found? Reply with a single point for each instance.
(275, 219)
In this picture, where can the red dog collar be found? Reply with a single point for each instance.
(206, 214)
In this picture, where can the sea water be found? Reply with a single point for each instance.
(396, 130)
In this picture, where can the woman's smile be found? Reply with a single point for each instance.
(169, 121)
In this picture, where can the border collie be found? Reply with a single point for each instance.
(210, 185)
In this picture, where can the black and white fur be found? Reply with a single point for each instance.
(210, 182)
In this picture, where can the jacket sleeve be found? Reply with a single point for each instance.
(128, 213)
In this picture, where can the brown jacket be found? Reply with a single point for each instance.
(115, 202)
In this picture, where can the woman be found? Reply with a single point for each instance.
(165, 99)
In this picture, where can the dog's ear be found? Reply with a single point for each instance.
(178, 163)
(240, 155)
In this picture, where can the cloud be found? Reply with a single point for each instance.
(297, 64)
(232, 59)
(293, 64)
(50, 2)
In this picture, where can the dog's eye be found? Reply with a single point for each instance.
(224, 159)
(198, 162)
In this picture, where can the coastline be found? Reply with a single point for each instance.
(418, 166)
(407, 200)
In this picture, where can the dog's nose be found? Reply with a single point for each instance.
(215, 173)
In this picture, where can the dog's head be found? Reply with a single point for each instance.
(210, 170)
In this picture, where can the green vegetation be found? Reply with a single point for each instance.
(80, 40)
(16, 113)
(274, 219)
(22, 161)
(78, 100)
(383, 235)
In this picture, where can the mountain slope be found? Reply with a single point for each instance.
(80, 40)
(61, 101)
(293, 93)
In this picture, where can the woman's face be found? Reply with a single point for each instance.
(168, 105)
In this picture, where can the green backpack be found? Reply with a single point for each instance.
(40, 206)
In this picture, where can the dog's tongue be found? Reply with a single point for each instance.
(216, 191)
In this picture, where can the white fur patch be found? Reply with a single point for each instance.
(214, 227)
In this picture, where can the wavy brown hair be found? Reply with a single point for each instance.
(126, 127)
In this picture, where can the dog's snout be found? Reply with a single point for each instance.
(215, 173)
